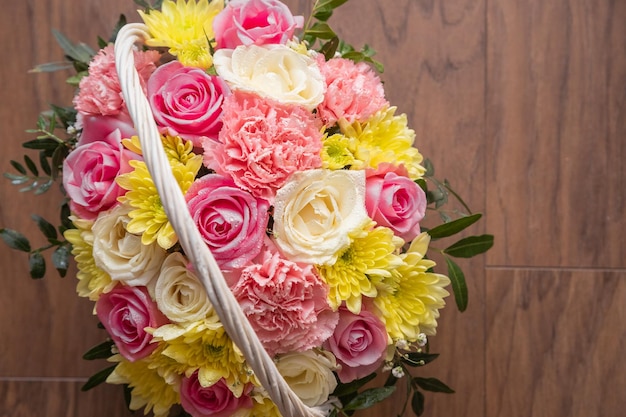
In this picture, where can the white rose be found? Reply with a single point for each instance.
(309, 374)
(121, 254)
(179, 293)
(316, 210)
(274, 71)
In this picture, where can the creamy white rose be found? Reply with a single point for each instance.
(179, 293)
(273, 71)
(316, 210)
(309, 374)
(121, 254)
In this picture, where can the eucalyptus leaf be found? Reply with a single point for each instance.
(453, 227)
(41, 144)
(48, 230)
(79, 52)
(470, 246)
(15, 240)
(61, 259)
(16, 179)
(42, 188)
(51, 67)
(459, 286)
(37, 265)
(432, 384)
(30, 164)
(18, 167)
(369, 397)
(430, 168)
(98, 378)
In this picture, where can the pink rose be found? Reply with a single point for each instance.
(286, 304)
(353, 91)
(258, 22)
(395, 201)
(231, 220)
(100, 92)
(214, 401)
(89, 174)
(96, 128)
(263, 142)
(359, 343)
(186, 101)
(125, 312)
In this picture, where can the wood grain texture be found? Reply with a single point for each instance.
(556, 124)
(53, 398)
(555, 343)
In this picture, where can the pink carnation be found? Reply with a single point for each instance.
(286, 303)
(353, 91)
(100, 92)
(263, 142)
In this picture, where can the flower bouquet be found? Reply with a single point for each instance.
(245, 209)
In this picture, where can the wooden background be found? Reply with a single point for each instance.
(521, 104)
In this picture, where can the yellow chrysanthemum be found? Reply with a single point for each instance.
(264, 407)
(385, 138)
(148, 389)
(338, 152)
(148, 217)
(176, 149)
(410, 304)
(205, 346)
(185, 27)
(92, 281)
(370, 257)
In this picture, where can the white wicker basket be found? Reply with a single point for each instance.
(227, 308)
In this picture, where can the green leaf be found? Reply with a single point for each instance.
(453, 227)
(43, 163)
(58, 156)
(79, 52)
(31, 165)
(321, 30)
(37, 265)
(121, 22)
(352, 387)
(41, 144)
(44, 187)
(470, 246)
(51, 67)
(65, 214)
(329, 4)
(432, 384)
(417, 403)
(430, 168)
(18, 167)
(323, 14)
(16, 179)
(101, 351)
(419, 358)
(61, 259)
(459, 286)
(98, 378)
(369, 397)
(48, 230)
(15, 240)
(330, 47)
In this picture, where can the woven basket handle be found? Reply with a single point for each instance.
(235, 322)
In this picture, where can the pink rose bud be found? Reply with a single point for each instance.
(395, 201)
(125, 312)
(214, 401)
(255, 22)
(359, 343)
(186, 101)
